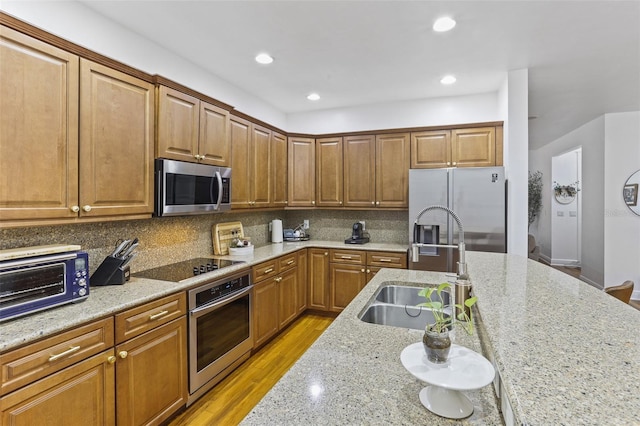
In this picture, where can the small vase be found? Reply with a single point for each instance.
(436, 346)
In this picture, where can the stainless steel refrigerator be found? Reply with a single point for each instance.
(476, 194)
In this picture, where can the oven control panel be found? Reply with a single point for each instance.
(221, 290)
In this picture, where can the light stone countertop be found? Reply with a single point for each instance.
(108, 300)
(567, 353)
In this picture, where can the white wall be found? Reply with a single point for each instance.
(414, 113)
(564, 217)
(621, 226)
(81, 25)
(591, 138)
(516, 141)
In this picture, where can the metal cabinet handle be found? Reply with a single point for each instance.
(75, 209)
(278, 279)
(448, 163)
(377, 203)
(123, 354)
(111, 359)
(158, 315)
(368, 271)
(326, 253)
(313, 202)
(266, 271)
(290, 262)
(362, 270)
(373, 202)
(384, 260)
(346, 257)
(340, 202)
(69, 351)
(86, 208)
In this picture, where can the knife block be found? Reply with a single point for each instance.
(110, 272)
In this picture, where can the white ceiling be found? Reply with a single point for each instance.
(583, 56)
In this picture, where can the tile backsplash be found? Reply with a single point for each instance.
(172, 239)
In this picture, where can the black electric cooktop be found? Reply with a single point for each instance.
(182, 270)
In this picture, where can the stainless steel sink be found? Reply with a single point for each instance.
(404, 295)
(396, 306)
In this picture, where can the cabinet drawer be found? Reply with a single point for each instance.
(387, 259)
(347, 256)
(288, 261)
(37, 360)
(265, 270)
(138, 320)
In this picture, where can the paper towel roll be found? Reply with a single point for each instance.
(276, 231)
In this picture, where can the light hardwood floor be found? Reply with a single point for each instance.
(236, 395)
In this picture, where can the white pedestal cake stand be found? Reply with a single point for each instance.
(464, 370)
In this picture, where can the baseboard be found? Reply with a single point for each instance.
(635, 295)
(545, 259)
(590, 282)
(569, 263)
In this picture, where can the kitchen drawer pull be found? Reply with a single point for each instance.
(65, 353)
(266, 271)
(278, 279)
(345, 257)
(290, 262)
(158, 315)
(385, 260)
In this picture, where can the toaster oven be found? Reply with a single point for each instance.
(37, 278)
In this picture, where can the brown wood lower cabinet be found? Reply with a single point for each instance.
(77, 378)
(276, 296)
(83, 394)
(151, 375)
(336, 276)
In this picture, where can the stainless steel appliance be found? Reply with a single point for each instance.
(220, 330)
(41, 277)
(188, 188)
(220, 319)
(476, 195)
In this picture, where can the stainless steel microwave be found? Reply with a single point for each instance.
(189, 188)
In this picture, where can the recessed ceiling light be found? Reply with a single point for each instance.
(313, 97)
(448, 79)
(264, 58)
(443, 24)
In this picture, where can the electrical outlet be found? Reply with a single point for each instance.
(305, 224)
(363, 225)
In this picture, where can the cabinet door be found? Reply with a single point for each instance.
(116, 142)
(303, 278)
(392, 170)
(240, 163)
(83, 394)
(302, 175)
(346, 281)
(431, 150)
(329, 170)
(213, 142)
(151, 375)
(38, 129)
(359, 171)
(265, 310)
(474, 147)
(178, 124)
(279, 170)
(287, 285)
(260, 166)
(318, 289)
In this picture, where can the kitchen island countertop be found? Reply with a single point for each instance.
(550, 336)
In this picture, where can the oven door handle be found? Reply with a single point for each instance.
(217, 304)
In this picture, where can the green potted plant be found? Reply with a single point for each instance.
(535, 195)
(436, 340)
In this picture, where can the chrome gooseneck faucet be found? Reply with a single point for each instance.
(415, 247)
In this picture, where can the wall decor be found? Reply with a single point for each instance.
(565, 194)
(630, 194)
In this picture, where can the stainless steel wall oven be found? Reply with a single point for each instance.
(220, 330)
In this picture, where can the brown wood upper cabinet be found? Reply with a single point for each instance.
(376, 170)
(279, 162)
(468, 147)
(252, 162)
(76, 138)
(302, 175)
(190, 129)
(329, 169)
